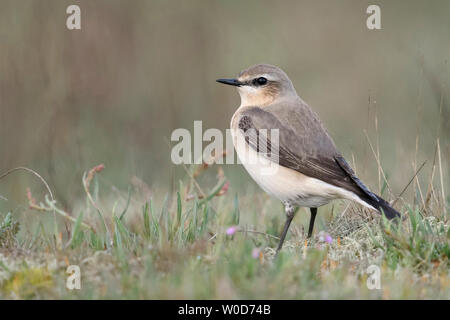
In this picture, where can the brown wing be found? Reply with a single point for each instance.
(302, 147)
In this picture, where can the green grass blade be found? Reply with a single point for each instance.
(128, 203)
(76, 230)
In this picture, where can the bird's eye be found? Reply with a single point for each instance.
(260, 81)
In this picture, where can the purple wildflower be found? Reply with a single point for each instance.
(256, 253)
(231, 230)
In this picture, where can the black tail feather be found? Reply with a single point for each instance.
(383, 206)
(365, 194)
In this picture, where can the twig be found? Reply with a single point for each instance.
(259, 232)
(378, 162)
(86, 183)
(417, 183)
(378, 147)
(46, 186)
(410, 181)
(51, 206)
(430, 190)
(199, 189)
(31, 171)
(419, 113)
(213, 237)
(441, 178)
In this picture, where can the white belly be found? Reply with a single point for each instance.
(284, 183)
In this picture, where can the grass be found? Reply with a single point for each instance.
(182, 247)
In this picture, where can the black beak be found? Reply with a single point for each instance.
(231, 82)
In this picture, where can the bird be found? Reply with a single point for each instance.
(309, 171)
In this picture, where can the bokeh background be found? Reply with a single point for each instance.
(114, 91)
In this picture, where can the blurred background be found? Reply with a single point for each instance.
(114, 91)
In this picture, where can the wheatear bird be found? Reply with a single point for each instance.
(310, 171)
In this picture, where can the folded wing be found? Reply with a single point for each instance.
(302, 147)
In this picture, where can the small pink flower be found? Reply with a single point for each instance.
(224, 189)
(256, 253)
(231, 230)
(325, 237)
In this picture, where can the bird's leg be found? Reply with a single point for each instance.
(311, 221)
(290, 212)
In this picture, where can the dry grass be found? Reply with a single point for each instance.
(126, 248)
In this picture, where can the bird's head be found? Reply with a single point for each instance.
(261, 85)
